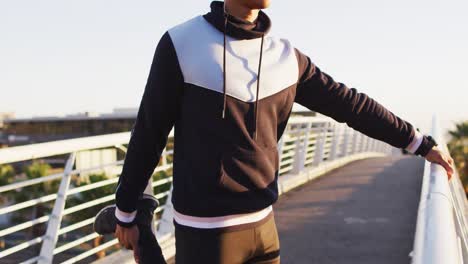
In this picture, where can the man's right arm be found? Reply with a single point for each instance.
(156, 116)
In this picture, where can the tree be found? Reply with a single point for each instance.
(7, 173)
(92, 211)
(458, 146)
(34, 170)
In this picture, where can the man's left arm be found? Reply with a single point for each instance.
(318, 91)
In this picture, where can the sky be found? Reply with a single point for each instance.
(62, 57)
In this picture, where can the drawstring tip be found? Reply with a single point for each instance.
(223, 114)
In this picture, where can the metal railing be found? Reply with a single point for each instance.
(442, 223)
(309, 147)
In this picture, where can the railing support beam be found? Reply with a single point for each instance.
(53, 226)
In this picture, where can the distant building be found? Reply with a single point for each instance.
(22, 131)
(303, 113)
(298, 110)
(5, 115)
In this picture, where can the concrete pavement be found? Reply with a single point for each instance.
(364, 212)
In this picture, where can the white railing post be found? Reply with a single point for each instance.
(369, 144)
(320, 143)
(335, 141)
(363, 146)
(375, 146)
(358, 143)
(301, 149)
(384, 147)
(344, 147)
(280, 150)
(53, 226)
(280, 146)
(355, 141)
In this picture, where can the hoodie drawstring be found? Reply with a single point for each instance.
(258, 87)
(258, 77)
(224, 65)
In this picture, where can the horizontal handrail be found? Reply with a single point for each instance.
(59, 147)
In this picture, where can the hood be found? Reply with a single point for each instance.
(239, 29)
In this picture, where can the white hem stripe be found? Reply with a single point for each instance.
(221, 221)
(125, 217)
(414, 145)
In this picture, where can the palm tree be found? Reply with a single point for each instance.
(458, 146)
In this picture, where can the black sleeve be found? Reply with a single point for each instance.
(156, 116)
(319, 92)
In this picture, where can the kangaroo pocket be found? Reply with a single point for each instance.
(244, 170)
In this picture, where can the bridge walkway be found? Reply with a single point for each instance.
(364, 212)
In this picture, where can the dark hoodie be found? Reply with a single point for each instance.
(205, 81)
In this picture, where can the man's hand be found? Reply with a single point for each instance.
(436, 155)
(128, 238)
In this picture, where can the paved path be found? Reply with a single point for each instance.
(363, 213)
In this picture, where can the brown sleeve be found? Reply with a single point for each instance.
(318, 92)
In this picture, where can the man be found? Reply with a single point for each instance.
(228, 87)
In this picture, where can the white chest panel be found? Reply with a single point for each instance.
(199, 48)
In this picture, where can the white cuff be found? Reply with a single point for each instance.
(124, 216)
(414, 145)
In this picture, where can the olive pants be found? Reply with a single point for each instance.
(256, 245)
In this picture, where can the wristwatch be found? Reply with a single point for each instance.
(426, 145)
